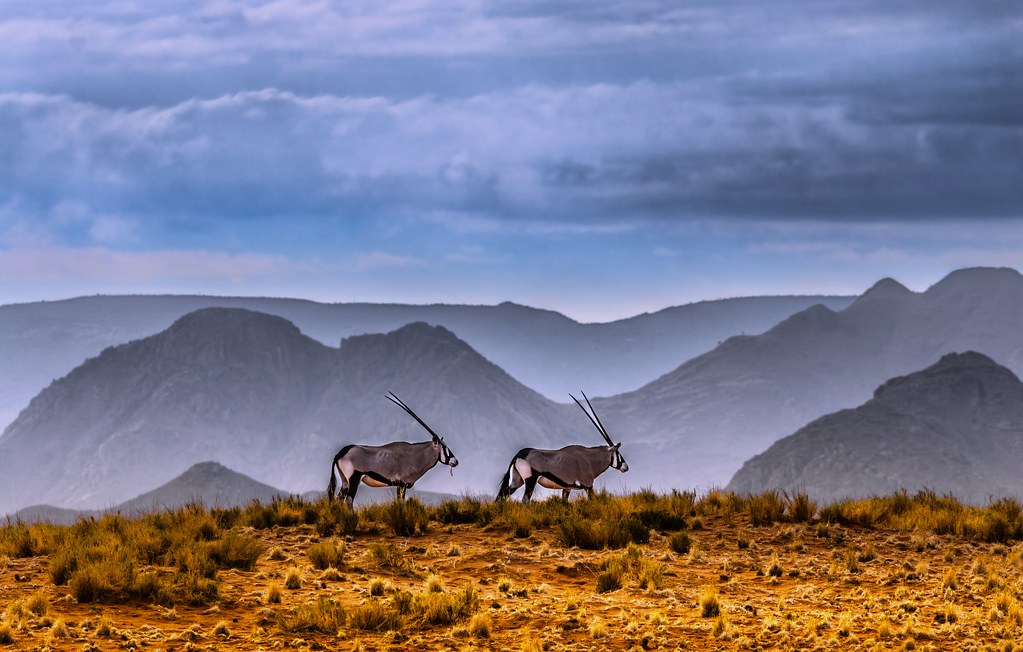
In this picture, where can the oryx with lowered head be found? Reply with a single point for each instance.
(398, 464)
(568, 468)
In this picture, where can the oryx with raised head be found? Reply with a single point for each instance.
(568, 468)
(398, 464)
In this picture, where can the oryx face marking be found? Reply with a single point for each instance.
(617, 461)
(444, 454)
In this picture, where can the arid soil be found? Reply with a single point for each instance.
(784, 586)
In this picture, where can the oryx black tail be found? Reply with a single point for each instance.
(503, 491)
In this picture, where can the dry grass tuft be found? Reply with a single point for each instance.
(325, 554)
(709, 605)
(293, 579)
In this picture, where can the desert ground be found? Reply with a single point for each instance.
(511, 583)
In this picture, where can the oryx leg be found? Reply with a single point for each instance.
(349, 487)
(401, 491)
(565, 493)
(530, 486)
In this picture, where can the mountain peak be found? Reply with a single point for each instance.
(976, 278)
(211, 320)
(953, 427)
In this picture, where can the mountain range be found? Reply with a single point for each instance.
(714, 412)
(545, 350)
(251, 391)
(955, 427)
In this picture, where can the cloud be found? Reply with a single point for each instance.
(383, 260)
(136, 269)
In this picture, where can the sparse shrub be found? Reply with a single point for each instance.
(273, 593)
(374, 616)
(96, 579)
(406, 517)
(950, 579)
(331, 574)
(664, 513)
(333, 518)
(6, 634)
(105, 629)
(614, 568)
(378, 587)
(444, 608)
(602, 534)
(293, 580)
(149, 586)
(609, 580)
(680, 543)
(289, 511)
(709, 605)
(852, 562)
(457, 512)
(37, 604)
(799, 507)
(326, 553)
(276, 554)
(766, 508)
(59, 630)
(651, 575)
(387, 555)
(774, 569)
(195, 589)
(434, 584)
(324, 615)
(480, 626)
(236, 550)
(221, 629)
(866, 553)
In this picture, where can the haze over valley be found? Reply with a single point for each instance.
(254, 392)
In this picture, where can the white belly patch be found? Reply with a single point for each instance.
(550, 484)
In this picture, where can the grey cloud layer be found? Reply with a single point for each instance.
(134, 113)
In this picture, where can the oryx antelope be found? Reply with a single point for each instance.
(568, 468)
(398, 464)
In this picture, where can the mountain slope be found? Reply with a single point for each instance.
(223, 384)
(251, 391)
(544, 349)
(714, 412)
(956, 426)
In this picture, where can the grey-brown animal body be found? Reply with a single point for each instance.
(568, 468)
(397, 464)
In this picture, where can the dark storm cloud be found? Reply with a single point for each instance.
(168, 112)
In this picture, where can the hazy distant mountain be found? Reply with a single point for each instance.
(543, 349)
(955, 427)
(716, 411)
(251, 391)
(207, 483)
(210, 484)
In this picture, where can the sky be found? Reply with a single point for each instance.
(601, 158)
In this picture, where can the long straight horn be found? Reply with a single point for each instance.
(600, 423)
(593, 420)
(400, 403)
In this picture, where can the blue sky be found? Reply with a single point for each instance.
(598, 158)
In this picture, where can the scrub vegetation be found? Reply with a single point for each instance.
(641, 571)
